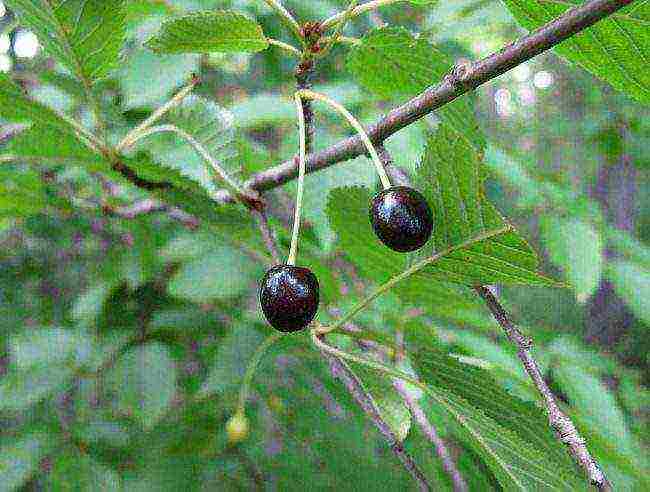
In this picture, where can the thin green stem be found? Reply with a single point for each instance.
(385, 181)
(285, 46)
(361, 9)
(364, 303)
(302, 132)
(156, 115)
(252, 367)
(286, 17)
(200, 149)
(347, 15)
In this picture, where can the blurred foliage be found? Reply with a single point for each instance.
(124, 340)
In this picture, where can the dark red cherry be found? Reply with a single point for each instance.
(401, 218)
(289, 297)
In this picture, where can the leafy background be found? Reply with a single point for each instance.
(124, 341)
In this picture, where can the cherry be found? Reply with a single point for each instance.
(401, 218)
(289, 297)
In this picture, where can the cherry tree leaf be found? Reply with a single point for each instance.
(391, 62)
(84, 35)
(208, 32)
(616, 49)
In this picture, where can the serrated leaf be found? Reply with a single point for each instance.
(391, 62)
(516, 463)
(84, 35)
(144, 383)
(451, 177)
(347, 210)
(615, 49)
(577, 248)
(208, 32)
(50, 137)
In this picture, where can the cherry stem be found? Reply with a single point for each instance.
(252, 367)
(302, 132)
(381, 171)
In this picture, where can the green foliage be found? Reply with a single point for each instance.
(129, 309)
(85, 36)
(208, 32)
(615, 49)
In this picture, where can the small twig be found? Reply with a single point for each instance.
(267, 235)
(562, 424)
(150, 206)
(341, 371)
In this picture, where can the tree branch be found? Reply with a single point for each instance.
(462, 79)
(342, 372)
(562, 424)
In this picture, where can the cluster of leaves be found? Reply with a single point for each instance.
(126, 339)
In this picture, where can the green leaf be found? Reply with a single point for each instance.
(632, 283)
(20, 460)
(614, 49)
(451, 178)
(208, 32)
(79, 472)
(222, 274)
(391, 62)
(577, 248)
(144, 383)
(208, 124)
(518, 463)
(22, 192)
(147, 79)
(51, 136)
(84, 35)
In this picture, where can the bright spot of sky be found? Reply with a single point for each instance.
(26, 44)
(526, 95)
(5, 43)
(502, 96)
(5, 63)
(3, 10)
(543, 79)
(521, 73)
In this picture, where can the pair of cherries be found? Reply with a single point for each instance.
(289, 295)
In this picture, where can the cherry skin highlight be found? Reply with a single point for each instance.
(401, 218)
(289, 296)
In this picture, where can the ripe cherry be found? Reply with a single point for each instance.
(289, 297)
(401, 218)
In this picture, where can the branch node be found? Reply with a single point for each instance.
(459, 75)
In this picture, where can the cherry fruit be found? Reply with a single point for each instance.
(401, 218)
(289, 296)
